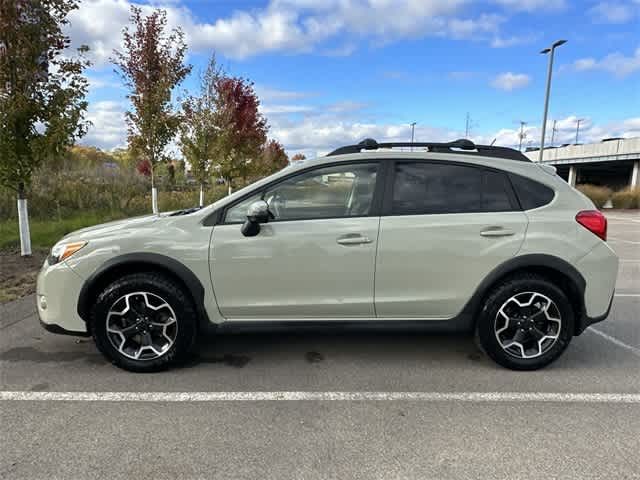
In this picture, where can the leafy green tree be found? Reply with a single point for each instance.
(199, 128)
(151, 65)
(42, 93)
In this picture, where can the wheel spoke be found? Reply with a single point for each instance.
(141, 326)
(527, 325)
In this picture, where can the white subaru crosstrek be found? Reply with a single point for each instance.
(448, 236)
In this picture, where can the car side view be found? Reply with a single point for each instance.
(448, 236)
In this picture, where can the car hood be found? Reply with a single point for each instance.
(109, 228)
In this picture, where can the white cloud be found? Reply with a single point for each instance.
(532, 5)
(510, 81)
(615, 63)
(108, 129)
(290, 26)
(590, 132)
(320, 130)
(613, 12)
(512, 41)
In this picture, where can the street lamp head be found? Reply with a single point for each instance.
(555, 44)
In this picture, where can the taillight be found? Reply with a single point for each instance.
(594, 221)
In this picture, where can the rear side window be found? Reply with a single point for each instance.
(434, 188)
(497, 194)
(531, 194)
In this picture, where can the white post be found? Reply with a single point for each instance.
(634, 174)
(23, 223)
(201, 195)
(573, 171)
(154, 199)
(229, 189)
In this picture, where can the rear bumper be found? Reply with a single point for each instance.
(586, 321)
(600, 271)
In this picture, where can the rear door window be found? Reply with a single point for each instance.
(423, 188)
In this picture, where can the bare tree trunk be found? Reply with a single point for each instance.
(23, 223)
(154, 194)
(201, 195)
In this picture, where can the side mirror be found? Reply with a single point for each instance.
(257, 213)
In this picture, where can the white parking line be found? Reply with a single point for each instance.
(623, 219)
(634, 350)
(320, 396)
(617, 240)
(627, 295)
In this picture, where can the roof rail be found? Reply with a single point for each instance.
(461, 146)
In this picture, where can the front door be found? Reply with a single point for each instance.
(314, 260)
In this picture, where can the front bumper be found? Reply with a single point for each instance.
(57, 293)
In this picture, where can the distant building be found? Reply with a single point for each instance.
(613, 162)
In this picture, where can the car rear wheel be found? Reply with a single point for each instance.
(526, 323)
(143, 322)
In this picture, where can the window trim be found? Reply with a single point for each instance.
(376, 201)
(387, 208)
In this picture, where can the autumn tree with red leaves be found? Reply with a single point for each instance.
(271, 159)
(243, 129)
(151, 65)
(298, 157)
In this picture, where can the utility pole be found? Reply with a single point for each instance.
(413, 130)
(553, 132)
(578, 128)
(522, 134)
(550, 50)
(467, 126)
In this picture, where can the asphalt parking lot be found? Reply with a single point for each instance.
(436, 407)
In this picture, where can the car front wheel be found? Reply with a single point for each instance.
(143, 322)
(526, 323)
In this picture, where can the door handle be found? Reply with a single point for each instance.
(497, 232)
(353, 239)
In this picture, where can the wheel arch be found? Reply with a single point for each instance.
(557, 270)
(143, 262)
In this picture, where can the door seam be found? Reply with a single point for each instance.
(375, 267)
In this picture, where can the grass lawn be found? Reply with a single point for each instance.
(45, 233)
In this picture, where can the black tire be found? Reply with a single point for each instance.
(485, 327)
(175, 297)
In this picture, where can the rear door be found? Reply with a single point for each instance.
(445, 226)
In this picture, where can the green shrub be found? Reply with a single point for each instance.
(627, 198)
(598, 195)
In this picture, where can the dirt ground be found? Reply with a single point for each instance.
(18, 274)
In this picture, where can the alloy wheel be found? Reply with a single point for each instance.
(528, 325)
(141, 326)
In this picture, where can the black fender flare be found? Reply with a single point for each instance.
(525, 262)
(141, 261)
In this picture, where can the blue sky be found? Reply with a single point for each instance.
(331, 72)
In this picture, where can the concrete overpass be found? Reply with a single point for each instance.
(612, 162)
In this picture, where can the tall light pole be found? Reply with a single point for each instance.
(578, 121)
(413, 130)
(550, 50)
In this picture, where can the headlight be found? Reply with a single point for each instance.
(62, 251)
